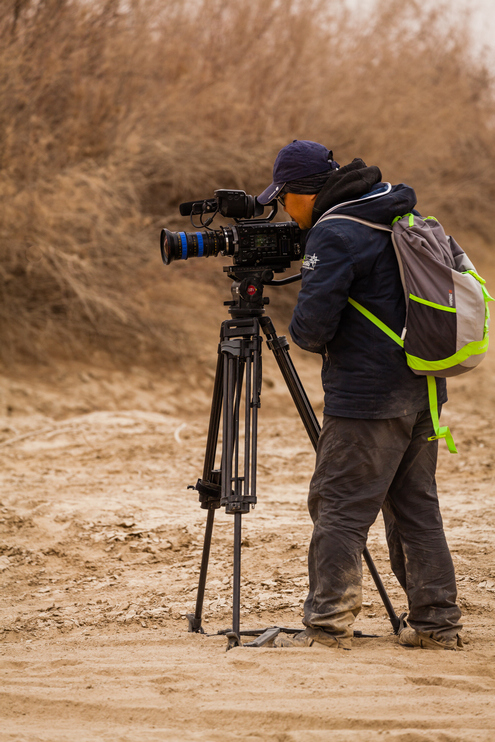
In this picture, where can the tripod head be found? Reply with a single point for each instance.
(247, 289)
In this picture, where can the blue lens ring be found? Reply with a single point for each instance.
(200, 244)
(183, 242)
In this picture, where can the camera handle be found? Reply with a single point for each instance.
(238, 365)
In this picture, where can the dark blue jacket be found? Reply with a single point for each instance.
(364, 374)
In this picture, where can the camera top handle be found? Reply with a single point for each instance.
(233, 204)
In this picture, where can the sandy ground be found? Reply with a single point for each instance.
(100, 545)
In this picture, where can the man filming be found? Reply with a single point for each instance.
(373, 452)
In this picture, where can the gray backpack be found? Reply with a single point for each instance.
(447, 317)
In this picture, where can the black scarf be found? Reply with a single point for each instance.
(346, 184)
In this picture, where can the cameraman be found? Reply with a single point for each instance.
(373, 451)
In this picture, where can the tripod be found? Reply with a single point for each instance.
(238, 379)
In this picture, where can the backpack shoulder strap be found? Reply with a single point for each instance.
(373, 318)
(374, 225)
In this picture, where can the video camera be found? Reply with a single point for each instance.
(252, 242)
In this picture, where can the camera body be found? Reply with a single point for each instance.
(264, 244)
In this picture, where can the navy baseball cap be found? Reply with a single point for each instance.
(297, 160)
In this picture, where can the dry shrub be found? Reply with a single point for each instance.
(112, 113)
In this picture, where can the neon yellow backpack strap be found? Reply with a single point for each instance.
(440, 432)
(486, 297)
(373, 318)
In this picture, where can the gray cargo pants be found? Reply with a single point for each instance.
(362, 466)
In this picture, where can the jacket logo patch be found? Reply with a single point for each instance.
(309, 262)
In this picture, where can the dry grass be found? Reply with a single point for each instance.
(111, 114)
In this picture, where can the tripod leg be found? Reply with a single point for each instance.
(280, 348)
(195, 618)
(236, 604)
(214, 424)
(231, 481)
(229, 379)
(395, 620)
(236, 372)
(209, 493)
(255, 405)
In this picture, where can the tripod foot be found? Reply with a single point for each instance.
(232, 640)
(194, 624)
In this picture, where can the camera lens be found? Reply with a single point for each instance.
(184, 245)
(166, 246)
